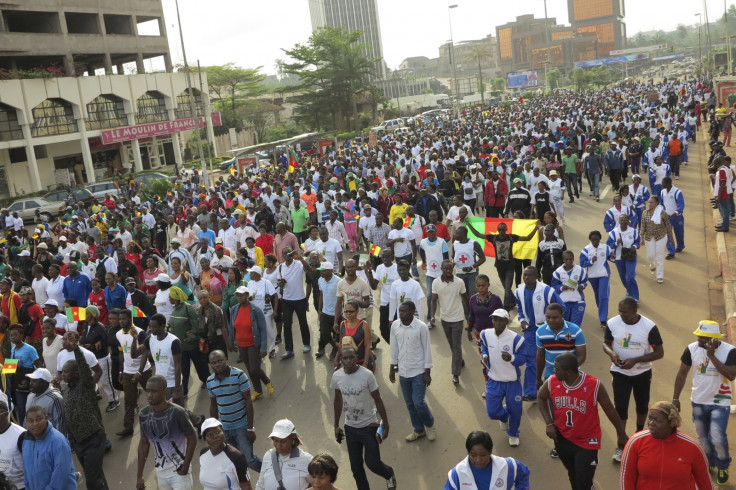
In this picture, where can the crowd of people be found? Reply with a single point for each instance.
(125, 295)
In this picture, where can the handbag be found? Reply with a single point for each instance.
(628, 253)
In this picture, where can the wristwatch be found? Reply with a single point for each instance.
(252, 429)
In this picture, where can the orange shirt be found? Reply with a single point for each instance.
(310, 199)
(243, 328)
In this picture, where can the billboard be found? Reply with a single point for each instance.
(612, 61)
(522, 79)
(644, 49)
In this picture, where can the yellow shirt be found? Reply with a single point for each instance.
(397, 211)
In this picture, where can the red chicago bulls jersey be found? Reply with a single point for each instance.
(576, 410)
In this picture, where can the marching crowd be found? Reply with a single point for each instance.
(125, 295)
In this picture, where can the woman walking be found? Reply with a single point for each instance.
(624, 240)
(656, 231)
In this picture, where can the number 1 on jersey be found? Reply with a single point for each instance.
(568, 418)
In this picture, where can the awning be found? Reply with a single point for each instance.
(272, 144)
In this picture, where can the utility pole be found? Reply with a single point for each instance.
(546, 39)
(210, 144)
(453, 61)
(711, 61)
(192, 105)
(700, 41)
(728, 36)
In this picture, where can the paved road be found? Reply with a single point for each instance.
(301, 393)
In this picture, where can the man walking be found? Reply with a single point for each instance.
(715, 369)
(532, 299)
(327, 314)
(136, 370)
(356, 393)
(449, 294)
(411, 356)
(614, 161)
(632, 341)
(503, 351)
(167, 428)
(290, 280)
(674, 205)
(568, 402)
(231, 404)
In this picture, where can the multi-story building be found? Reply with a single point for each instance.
(467, 55)
(352, 15)
(82, 35)
(515, 41)
(79, 129)
(604, 18)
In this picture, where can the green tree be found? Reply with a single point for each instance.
(375, 97)
(498, 83)
(478, 54)
(580, 78)
(553, 78)
(334, 71)
(600, 76)
(230, 82)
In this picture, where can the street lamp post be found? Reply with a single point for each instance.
(700, 42)
(453, 60)
(546, 39)
(192, 105)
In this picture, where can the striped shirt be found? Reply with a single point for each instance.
(554, 344)
(228, 394)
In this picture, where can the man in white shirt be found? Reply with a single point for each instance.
(449, 294)
(401, 241)
(411, 356)
(405, 289)
(330, 249)
(290, 280)
(134, 370)
(228, 235)
(148, 219)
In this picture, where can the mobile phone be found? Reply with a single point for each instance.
(340, 436)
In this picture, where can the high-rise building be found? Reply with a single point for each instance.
(604, 18)
(352, 15)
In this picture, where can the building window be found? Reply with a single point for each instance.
(9, 127)
(106, 111)
(591, 9)
(151, 108)
(53, 116)
(183, 107)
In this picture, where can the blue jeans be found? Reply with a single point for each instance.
(678, 229)
(711, 422)
(414, 390)
(724, 206)
(237, 438)
(430, 280)
(595, 184)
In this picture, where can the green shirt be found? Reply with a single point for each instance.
(184, 323)
(569, 162)
(646, 142)
(299, 218)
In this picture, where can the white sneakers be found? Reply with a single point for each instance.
(431, 433)
(513, 441)
(504, 425)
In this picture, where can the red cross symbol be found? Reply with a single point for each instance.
(434, 265)
(463, 259)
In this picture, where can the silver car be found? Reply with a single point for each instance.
(100, 189)
(26, 209)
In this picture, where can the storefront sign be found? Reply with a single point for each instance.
(245, 162)
(147, 130)
(216, 119)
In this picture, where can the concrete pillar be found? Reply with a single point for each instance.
(32, 163)
(139, 66)
(137, 160)
(167, 62)
(89, 166)
(120, 69)
(69, 64)
(108, 64)
(177, 149)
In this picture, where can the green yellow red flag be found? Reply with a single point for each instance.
(521, 227)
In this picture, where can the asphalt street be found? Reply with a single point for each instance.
(303, 396)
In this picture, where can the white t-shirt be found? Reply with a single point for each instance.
(162, 352)
(54, 290)
(385, 277)
(402, 249)
(40, 288)
(130, 364)
(51, 352)
(406, 291)
(329, 251)
(11, 459)
(65, 355)
(294, 276)
(258, 293)
(163, 303)
(226, 470)
(357, 402)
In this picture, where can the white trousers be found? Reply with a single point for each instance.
(656, 250)
(270, 334)
(559, 208)
(106, 380)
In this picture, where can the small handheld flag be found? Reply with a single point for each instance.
(375, 250)
(408, 221)
(137, 312)
(232, 170)
(10, 366)
(76, 314)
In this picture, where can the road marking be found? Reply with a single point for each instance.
(605, 191)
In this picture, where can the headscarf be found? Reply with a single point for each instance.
(177, 294)
(670, 411)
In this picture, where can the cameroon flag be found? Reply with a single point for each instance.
(408, 221)
(375, 250)
(521, 227)
(293, 162)
(76, 314)
(10, 366)
(137, 312)
(291, 168)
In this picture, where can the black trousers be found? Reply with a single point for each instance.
(200, 365)
(615, 174)
(300, 308)
(326, 331)
(623, 386)
(363, 440)
(506, 276)
(90, 452)
(384, 323)
(579, 462)
(494, 211)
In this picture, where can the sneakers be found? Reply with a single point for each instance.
(513, 441)
(553, 454)
(431, 433)
(415, 435)
(128, 431)
(320, 353)
(391, 482)
(272, 354)
(722, 478)
(256, 395)
(287, 355)
(112, 406)
(529, 398)
(504, 425)
(455, 379)
(713, 469)
(660, 280)
(307, 349)
(270, 389)
(277, 340)
(617, 455)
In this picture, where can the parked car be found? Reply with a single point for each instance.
(62, 196)
(100, 189)
(404, 131)
(143, 178)
(26, 209)
(225, 166)
(388, 126)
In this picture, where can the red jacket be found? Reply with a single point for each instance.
(493, 198)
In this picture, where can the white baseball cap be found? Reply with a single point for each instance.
(209, 424)
(51, 302)
(40, 373)
(256, 269)
(163, 278)
(242, 290)
(326, 266)
(501, 313)
(283, 429)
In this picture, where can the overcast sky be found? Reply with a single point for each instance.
(252, 33)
